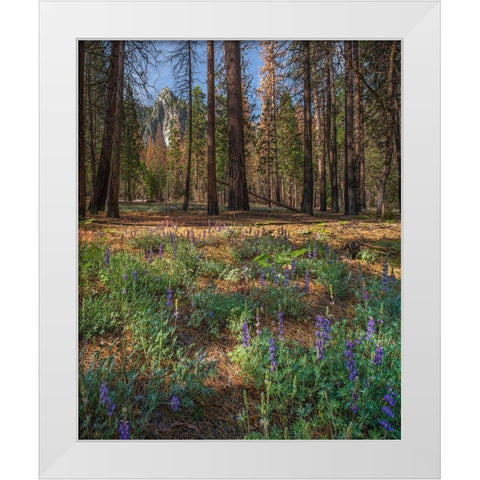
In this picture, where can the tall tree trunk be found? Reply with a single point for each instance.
(99, 198)
(307, 198)
(389, 140)
(398, 152)
(212, 200)
(186, 197)
(358, 130)
(91, 121)
(82, 194)
(238, 193)
(351, 207)
(113, 210)
(322, 152)
(332, 128)
(275, 146)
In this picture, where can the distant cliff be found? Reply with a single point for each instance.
(167, 113)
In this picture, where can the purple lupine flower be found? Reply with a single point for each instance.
(174, 249)
(104, 393)
(257, 323)
(280, 325)
(370, 328)
(160, 251)
(365, 295)
(106, 400)
(169, 297)
(245, 333)
(385, 276)
(134, 275)
(272, 349)
(377, 360)
(350, 363)
(388, 411)
(328, 254)
(389, 398)
(315, 251)
(275, 275)
(386, 425)
(307, 282)
(106, 258)
(262, 277)
(322, 334)
(124, 430)
(286, 277)
(149, 256)
(294, 266)
(111, 408)
(354, 403)
(174, 403)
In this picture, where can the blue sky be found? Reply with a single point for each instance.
(162, 75)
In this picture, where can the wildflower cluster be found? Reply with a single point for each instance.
(389, 399)
(124, 430)
(378, 359)
(322, 334)
(370, 329)
(272, 351)
(350, 363)
(174, 403)
(105, 399)
(307, 282)
(245, 333)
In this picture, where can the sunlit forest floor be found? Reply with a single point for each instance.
(230, 385)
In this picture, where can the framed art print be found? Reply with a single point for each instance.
(233, 266)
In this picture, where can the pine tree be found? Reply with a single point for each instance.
(307, 197)
(238, 194)
(212, 201)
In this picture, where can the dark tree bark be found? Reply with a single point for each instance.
(212, 200)
(99, 198)
(238, 193)
(351, 207)
(113, 210)
(390, 134)
(275, 148)
(331, 121)
(93, 159)
(307, 198)
(82, 193)
(358, 131)
(398, 152)
(186, 197)
(323, 132)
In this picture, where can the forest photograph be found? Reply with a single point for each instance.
(239, 239)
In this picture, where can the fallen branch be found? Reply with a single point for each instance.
(269, 200)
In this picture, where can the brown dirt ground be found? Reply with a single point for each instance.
(219, 420)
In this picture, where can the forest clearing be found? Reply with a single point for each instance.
(239, 250)
(173, 303)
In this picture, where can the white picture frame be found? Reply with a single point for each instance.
(417, 25)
